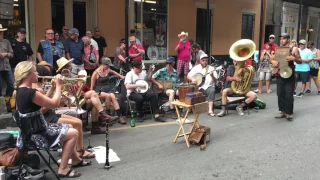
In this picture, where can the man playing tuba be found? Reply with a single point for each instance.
(231, 76)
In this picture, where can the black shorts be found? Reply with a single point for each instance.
(314, 72)
(302, 76)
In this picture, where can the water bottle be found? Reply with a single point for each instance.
(133, 119)
(2, 173)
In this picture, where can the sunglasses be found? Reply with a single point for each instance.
(97, 31)
(169, 63)
(271, 38)
(66, 29)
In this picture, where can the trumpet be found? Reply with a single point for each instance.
(64, 79)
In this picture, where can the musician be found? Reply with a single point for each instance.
(135, 74)
(208, 86)
(285, 86)
(92, 99)
(250, 96)
(135, 50)
(167, 73)
(29, 103)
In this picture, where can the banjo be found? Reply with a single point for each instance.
(143, 82)
(200, 78)
(166, 85)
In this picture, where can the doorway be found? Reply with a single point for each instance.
(201, 29)
(80, 16)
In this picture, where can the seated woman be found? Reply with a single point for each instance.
(99, 82)
(51, 117)
(92, 102)
(29, 102)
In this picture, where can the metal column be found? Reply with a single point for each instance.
(209, 30)
(126, 20)
(261, 23)
(299, 21)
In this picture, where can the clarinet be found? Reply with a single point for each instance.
(107, 164)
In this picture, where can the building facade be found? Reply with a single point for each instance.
(157, 22)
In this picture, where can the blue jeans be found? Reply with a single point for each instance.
(8, 76)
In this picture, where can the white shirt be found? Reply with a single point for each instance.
(198, 69)
(131, 78)
(94, 43)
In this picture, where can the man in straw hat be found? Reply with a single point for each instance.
(285, 86)
(182, 47)
(50, 50)
(6, 53)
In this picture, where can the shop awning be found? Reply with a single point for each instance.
(306, 3)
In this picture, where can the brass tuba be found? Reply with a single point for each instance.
(240, 51)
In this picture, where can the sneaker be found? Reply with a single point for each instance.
(294, 94)
(308, 91)
(122, 120)
(300, 95)
(256, 91)
(240, 110)
(269, 91)
(159, 119)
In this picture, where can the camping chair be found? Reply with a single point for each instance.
(29, 145)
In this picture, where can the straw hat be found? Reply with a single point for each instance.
(44, 63)
(62, 62)
(2, 29)
(183, 34)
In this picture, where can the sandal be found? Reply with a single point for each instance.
(82, 163)
(75, 174)
(89, 155)
(211, 114)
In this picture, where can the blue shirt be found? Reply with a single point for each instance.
(75, 49)
(164, 75)
(304, 66)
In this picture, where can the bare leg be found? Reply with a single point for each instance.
(317, 82)
(76, 124)
(211, 106)
(303, 87)
(260, 86)
(170, 94)
(107, 99)
(268, 85)
(114, 101)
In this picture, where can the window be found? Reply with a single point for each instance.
(247, 26)
(57, 15)
(151, 27)
(12, 17)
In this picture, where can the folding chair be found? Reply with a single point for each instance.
(29, 145)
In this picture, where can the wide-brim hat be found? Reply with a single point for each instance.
(2, 29)
(183, 34)
(62, 62)
(44, 63)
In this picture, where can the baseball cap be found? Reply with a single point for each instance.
(272, 36)
(22, 30)
(285, 35)
(302, 41)
(74, 31)
(106, 61)
(203, 56)
(170, 59)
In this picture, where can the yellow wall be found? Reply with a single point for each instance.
(111, 22)
(42, 19)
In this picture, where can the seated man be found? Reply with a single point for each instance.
(167, 73)
(132, 76)
(208, 87)
(250, 96)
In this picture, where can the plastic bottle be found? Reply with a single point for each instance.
(133, 119)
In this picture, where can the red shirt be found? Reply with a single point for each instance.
(273, 48)
(85, 88)
(249, 62)
(132, 50)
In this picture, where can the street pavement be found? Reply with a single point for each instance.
(253, 147)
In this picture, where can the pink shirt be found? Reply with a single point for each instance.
(86, 56)
(184, 51)
(132, 50)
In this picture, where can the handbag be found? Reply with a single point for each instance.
(9, 157)
(92, 57)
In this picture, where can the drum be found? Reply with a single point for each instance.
(142, 90)
(166, 85)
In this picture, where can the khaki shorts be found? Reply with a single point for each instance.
(264, 76)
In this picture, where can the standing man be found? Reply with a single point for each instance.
(92, 41)
(183, 50)
(272, 42)
(303, 69)
(6, 53)
(136, 51)
(64, 35)
(74, 48)
(133, 33)
(102, 45)
(21, 49)
(50, 50)
(119, 55)
(285, 86)
(195, 48)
